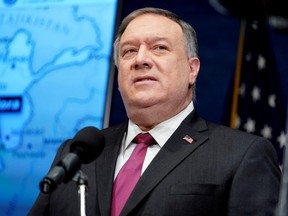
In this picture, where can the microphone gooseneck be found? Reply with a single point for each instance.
(85, 147)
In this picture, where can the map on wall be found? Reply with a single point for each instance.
(54, 71)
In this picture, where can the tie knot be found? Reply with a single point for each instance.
(144, 138)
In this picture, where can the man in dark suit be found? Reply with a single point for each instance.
(194, 167)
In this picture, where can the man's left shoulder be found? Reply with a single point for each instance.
(235, 136)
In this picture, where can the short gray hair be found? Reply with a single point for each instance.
(190, 37)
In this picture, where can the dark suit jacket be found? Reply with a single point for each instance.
(222, 172)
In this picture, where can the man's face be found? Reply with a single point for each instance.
(154, 68)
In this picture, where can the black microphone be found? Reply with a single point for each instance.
(85, 147)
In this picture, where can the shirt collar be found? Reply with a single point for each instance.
(161, 132)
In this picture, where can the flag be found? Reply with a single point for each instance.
(258, 106)
(188, 139)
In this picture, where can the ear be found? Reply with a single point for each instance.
(194, 64)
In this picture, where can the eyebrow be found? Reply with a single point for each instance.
(153, 40)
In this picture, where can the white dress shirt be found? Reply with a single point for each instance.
(161, 133)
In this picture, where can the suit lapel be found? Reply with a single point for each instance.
(105, 167)
(171, 155)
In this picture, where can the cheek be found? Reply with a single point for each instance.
(179, 75)
(123, 76)
(122, 81)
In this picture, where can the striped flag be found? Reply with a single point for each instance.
(188, 139)
(258, 105)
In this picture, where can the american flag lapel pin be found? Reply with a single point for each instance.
(188, 139)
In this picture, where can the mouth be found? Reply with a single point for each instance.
(144, 79)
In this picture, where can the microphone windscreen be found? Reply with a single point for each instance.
(89, 143)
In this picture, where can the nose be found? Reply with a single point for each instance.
(143, 59)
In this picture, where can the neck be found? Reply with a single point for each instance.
(148, 117)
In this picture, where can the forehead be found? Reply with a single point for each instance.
(151, 25)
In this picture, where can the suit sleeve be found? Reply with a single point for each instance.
(41, 207)
(256, 183)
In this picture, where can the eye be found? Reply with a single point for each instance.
(160, 47)
(128, 52)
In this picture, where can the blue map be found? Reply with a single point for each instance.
(54, 72)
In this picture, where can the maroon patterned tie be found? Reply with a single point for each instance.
(130, 173)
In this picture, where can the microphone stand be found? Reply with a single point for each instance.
(81, 180)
